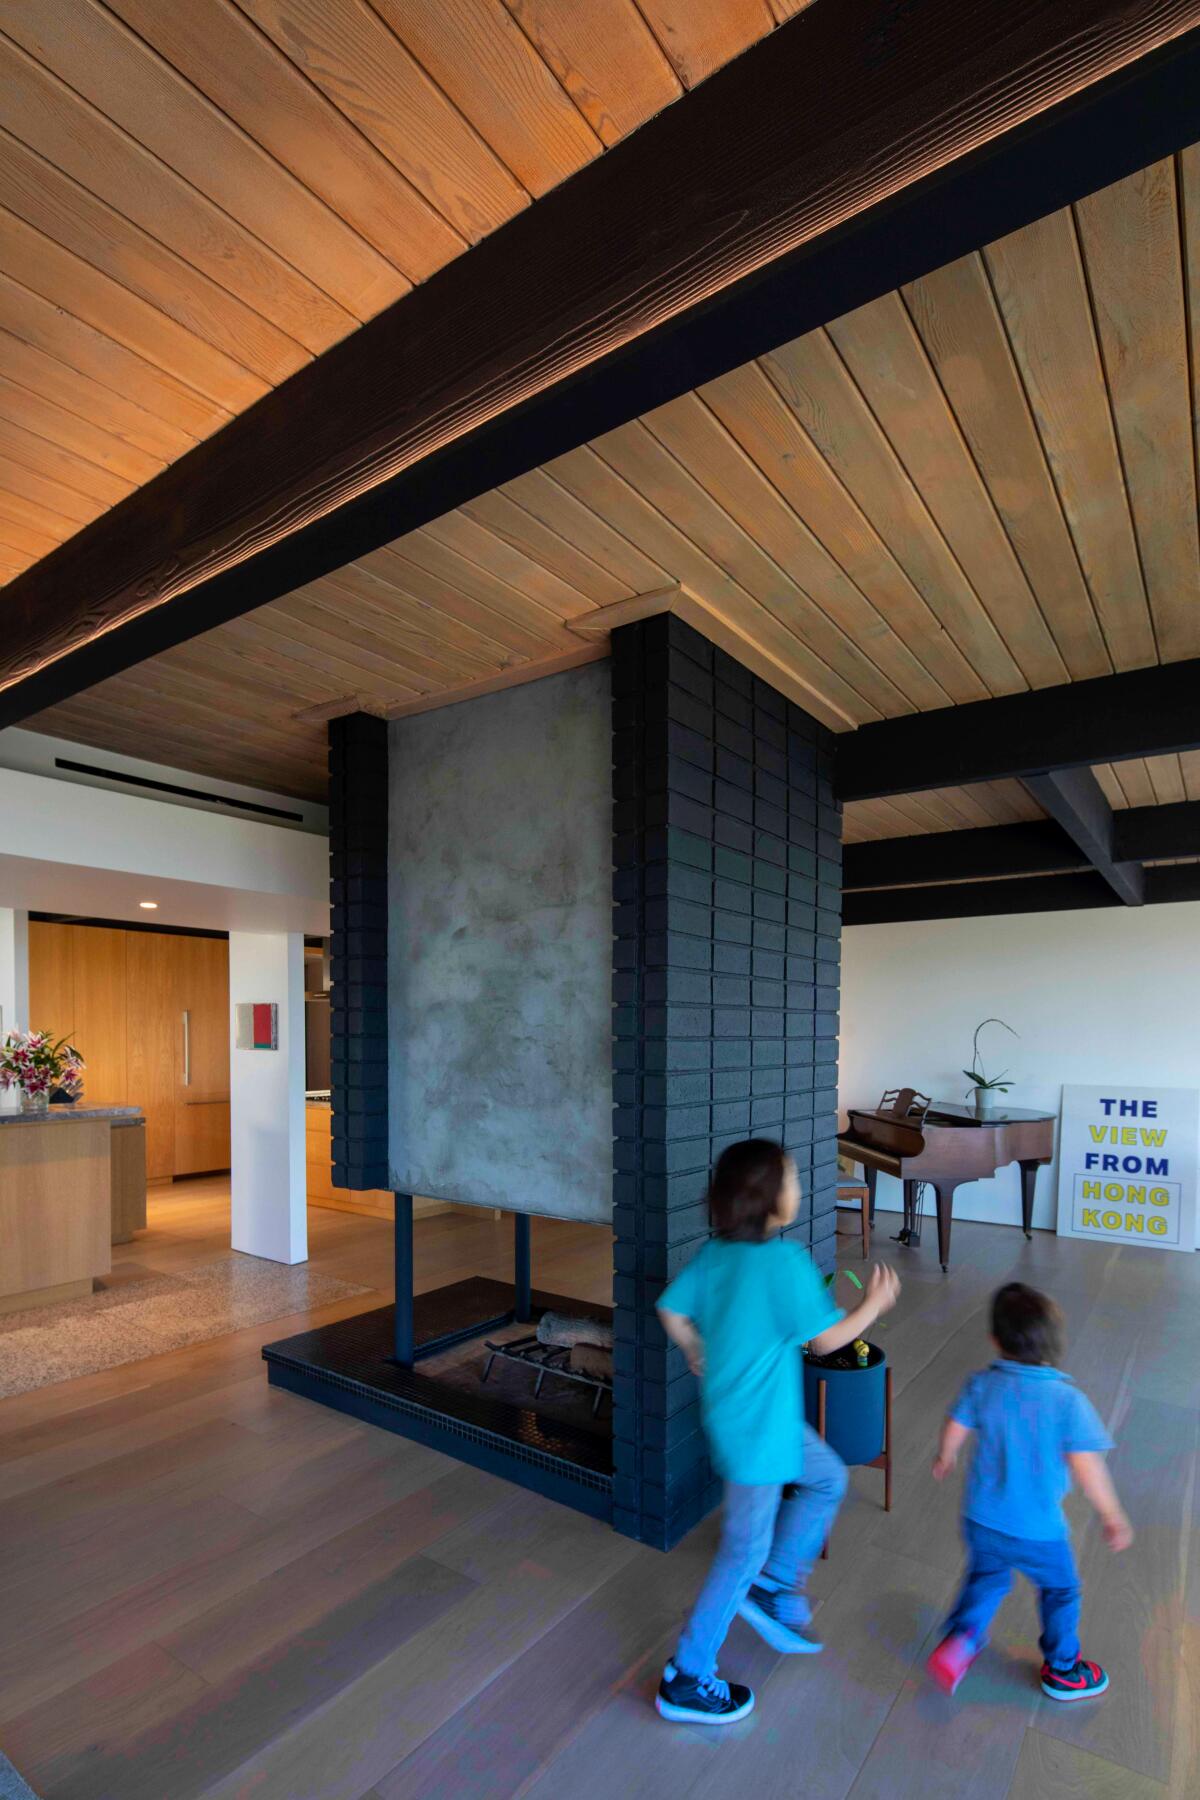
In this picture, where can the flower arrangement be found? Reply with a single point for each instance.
(32, 1061)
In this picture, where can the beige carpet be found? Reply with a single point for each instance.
(144, 1316)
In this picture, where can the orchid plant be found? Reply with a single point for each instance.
(34, 1062)
(976, 1075)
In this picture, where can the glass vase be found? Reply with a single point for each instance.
(35, 1103)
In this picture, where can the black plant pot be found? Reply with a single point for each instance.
(60, 1097)
(855, 1405)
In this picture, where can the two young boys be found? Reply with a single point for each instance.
(740, 1312)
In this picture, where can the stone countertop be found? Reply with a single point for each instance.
(117, 1115)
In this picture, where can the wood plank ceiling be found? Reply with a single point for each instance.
(197, 199)
(1143, 781)
(983, 483)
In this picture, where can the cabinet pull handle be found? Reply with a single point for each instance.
(187, 1048)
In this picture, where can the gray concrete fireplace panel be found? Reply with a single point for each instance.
(500, 949)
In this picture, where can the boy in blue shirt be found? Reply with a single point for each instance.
(1034, 1432)
(740, 1312)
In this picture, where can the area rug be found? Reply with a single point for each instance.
(126, 1321)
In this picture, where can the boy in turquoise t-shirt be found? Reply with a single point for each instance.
(740, 1312)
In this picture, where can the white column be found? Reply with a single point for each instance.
(14, 969)
(266, 1100)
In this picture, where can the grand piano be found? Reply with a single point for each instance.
(916, 1139)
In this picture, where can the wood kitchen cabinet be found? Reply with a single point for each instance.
(201, 976)
(149, 1012)
(152, 1036)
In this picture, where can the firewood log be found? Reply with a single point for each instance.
(590, 1359)
(567, 1329)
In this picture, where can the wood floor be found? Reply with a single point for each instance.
(208, 1589)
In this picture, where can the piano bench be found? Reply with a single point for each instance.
(858, 1190)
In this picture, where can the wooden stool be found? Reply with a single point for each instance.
(884, 1459)
(858, 1190)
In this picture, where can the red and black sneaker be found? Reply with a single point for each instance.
(1083, 1682)
(950, 1661)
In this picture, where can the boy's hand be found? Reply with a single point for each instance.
(883, 1289)
(1118, 1532)
(684, 1335)
(953, 1437)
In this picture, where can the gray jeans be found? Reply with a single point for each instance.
(764, 1533)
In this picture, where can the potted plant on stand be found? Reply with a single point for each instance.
(985, 1087)
(848, 1401)
(33, 1062)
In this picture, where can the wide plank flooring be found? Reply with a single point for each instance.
(213, 1591)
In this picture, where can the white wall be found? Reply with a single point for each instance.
(1106, 996)
(266, 1101)
(14, 970)
(66, 847)
(36, 753)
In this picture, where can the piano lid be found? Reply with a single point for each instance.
(947, 1113)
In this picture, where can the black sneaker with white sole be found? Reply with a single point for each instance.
(1084, 1682)
(701, 1700)
(761, 1608)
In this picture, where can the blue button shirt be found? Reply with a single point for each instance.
(754, 1305)
(1027, 1419)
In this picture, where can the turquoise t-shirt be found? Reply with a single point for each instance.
(754, 1305)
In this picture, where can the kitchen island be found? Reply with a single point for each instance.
(56, 1199)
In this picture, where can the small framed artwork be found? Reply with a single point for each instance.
(256, 1025)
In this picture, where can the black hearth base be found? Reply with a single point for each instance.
(351, 1367)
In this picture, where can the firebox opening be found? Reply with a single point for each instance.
(489, 1379)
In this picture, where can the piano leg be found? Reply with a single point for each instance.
(1028, 1178)
(945, 1211)
(910, 1232)
(872, 1179)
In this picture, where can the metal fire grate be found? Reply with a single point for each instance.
(547, 1359)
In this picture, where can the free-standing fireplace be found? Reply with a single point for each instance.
(440, 1397)
(598, 942)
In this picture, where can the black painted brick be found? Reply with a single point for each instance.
(725, 963)
(358, 830)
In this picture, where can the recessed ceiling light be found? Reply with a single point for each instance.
(148, 905)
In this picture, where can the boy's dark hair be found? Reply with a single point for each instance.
(1026, 1325)
(745, 1188)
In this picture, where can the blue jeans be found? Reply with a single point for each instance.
(766, 1531)
(1048, 1563)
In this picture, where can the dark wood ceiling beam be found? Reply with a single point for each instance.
(981, 853)
(1143, 712)
(1075, 800)
(1141, 833)
(975, 899)
(1168, 886)
(846, 154)
(1027, 894)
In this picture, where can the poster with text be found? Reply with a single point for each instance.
(1127, 1165)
